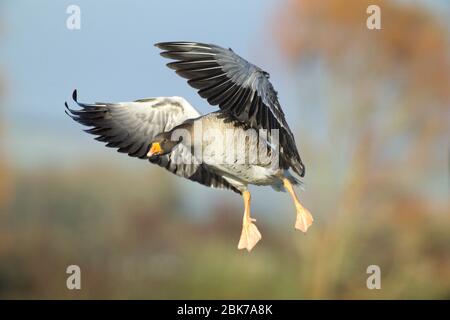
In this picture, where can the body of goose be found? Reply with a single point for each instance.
(247, 141)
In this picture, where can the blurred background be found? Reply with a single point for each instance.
(370, 110)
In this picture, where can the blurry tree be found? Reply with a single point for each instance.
(388, 114)
(398, 78)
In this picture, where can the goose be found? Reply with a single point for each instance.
(247, 141)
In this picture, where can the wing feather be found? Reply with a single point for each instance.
(130, 127)
(238, 87)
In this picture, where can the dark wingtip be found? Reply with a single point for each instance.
(162, 45)
(171, 65)
(166, 54)
(74, 95)
(169, 45)
(67, 112)
(303, 170)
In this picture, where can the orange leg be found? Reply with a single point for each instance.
(250, 234)
(304, 217)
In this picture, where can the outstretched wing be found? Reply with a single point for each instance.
(238, 87)
(131, 127)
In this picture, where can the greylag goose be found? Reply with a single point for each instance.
(247, 141)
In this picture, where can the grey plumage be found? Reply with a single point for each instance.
(246, 100)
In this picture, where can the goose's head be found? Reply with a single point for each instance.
(162, 144)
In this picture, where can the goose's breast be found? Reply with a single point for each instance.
(236, 153)
(247, 174)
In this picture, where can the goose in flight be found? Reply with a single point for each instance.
(247, 141)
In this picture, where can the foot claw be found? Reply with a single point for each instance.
(304, 220)
(250, 236)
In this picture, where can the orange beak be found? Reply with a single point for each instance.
(154, 150)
